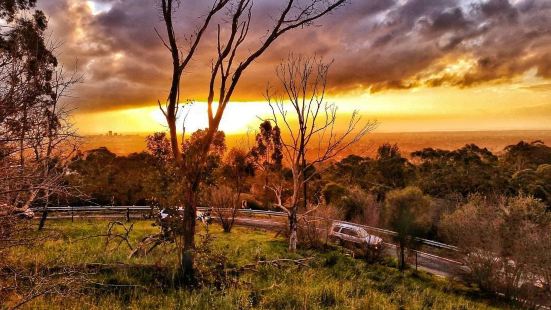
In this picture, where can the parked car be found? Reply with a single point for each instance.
(25, 215)
(348, 234)
(201, 216)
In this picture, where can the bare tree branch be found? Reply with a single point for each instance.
(304, 82)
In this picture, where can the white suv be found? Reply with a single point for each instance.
(347, 233)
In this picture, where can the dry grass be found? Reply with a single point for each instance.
(333, 280)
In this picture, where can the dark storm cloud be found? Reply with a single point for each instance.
(376, 45)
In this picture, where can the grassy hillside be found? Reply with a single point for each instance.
(332, 279)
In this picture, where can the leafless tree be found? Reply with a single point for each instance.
(180, 61)
(225, 203)
(34, 165)
(36, 142)
(230, 62)
(312, 138)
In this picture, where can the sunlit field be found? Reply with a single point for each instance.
(331, 280)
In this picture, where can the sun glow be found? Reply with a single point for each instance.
(421, 109)
(239, 117)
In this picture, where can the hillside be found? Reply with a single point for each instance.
(331, 279)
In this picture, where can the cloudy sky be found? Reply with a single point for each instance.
(414, 65)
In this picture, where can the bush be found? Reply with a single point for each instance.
(333, 192)
(354, 203)
(506, 244)
(409, 213)
(313, 231)
(373, 254)
(210, 266)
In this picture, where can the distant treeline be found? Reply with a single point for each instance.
(524, 168)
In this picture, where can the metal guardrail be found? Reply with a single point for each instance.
(94, 208)
(376, 229)
(242, 211)
(392, 233)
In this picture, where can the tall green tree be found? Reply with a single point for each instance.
(408, 212)
(464, 171)
(526, 155)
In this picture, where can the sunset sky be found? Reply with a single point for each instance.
(412, 65)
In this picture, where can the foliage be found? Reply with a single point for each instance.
(464, 171)
(394, 170)
(388, 171)
(236, 169)
(354, 169)
(120, 180)
(536, 183)
(506, 244)
(333, 192)
(267, 154)
(524, 155)
(407, 212)
(36, 140)
(158, 146)
(225, 198)
(36, 136)
(353, 203)
(192, 150)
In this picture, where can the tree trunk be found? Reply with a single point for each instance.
(171, 113)
(293, 230)
(44, 211)
(173, 137)
(402, 260)
(189, 226)
(43, 220)
(190, 214)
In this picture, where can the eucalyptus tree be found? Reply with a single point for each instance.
(230, 61)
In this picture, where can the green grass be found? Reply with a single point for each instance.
(334, 280)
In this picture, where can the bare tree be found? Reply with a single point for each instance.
(229, 64)
(180, 61)
(312, 138)
(36, 135)
(225, 197)
(36, 140)
(225, 203)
